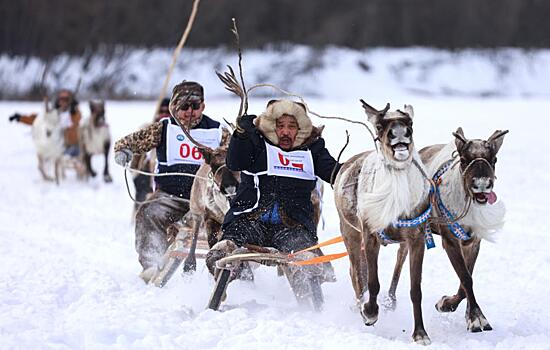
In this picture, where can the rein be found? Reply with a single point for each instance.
(127, 168)
(448, 218)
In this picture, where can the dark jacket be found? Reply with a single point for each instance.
(178, 185)
(293, 195)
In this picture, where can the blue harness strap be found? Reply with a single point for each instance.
(457, 230)
(419, 220)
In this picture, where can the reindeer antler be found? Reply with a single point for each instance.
(459, 134)
(229, 79)
(497, 134)
(368, 108)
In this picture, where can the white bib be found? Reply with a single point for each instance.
(296, 164)
(180, 150)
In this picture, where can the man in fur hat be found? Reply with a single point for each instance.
(280, 155)
(175, 154)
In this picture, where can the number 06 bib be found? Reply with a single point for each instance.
(180, 150)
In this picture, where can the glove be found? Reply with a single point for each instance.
(123, 157)
(15, 116)
(246, 123)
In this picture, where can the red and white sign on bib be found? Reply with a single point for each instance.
(296, 164)
(180, 150)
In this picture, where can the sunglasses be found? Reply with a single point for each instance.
(194, 106)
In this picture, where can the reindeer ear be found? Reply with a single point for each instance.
(460, 140)
(496, 139)
(372, 113)
(271, 102)
(409, 110)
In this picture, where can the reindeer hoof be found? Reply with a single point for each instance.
(389, 303)
(107, 178)
(477, 324)
(446, 304)
(422, 338)
(369, 314)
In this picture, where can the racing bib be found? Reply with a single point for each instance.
(180, 150)
(296, 164)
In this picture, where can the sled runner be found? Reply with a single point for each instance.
(306, 287)
(177, 252)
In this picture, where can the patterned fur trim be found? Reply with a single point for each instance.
(275, 109)
(142, 140)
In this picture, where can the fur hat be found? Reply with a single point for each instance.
(266, 122)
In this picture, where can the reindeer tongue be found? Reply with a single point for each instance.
(491, 197)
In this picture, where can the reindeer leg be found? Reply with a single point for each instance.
(401, 257)
(476, 321)
(41, 165)
(369, 310)
(57, 170)
(190, 263)
(106, 176)
(416, 259)
(353, 242)
(88, 163)
(470, 250)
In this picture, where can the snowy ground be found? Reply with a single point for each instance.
(69, 272)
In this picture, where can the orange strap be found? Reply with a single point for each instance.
(319, 259)
(334, 240)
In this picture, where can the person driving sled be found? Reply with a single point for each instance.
(280, 155)
(175, 154)
(69, 117)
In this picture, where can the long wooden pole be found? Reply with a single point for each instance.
(176, 54)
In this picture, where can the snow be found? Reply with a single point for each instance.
(69, 272)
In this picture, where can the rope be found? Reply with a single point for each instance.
(338, 161)
(147, 200)
(313, 112)
(127, 168)
(177, 52)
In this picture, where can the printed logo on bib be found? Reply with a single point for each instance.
(296, 164)
(180, 150)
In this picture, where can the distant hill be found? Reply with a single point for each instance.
(330, 73)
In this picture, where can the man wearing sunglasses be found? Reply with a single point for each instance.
(69, 117)
(175, 154)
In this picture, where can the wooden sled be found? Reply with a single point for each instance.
(178, 252)
(271, 257)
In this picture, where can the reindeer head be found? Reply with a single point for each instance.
(393, 130)
(477, 164)
(97, 112)
(226, 180)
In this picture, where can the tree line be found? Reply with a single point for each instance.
(47, 28)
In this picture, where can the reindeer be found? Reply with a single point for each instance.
(372, 191)
(467, 191)
(47, 135)
(95, 138)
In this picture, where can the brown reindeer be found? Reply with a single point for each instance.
(95, 138)
(466, 192)
(374, 190)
